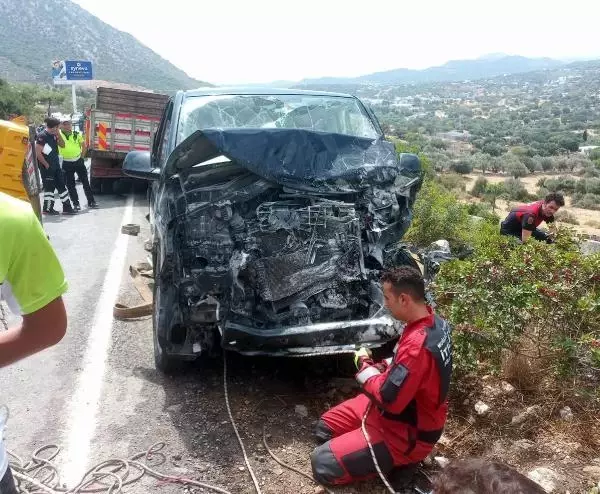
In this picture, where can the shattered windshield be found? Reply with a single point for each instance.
(331, 114)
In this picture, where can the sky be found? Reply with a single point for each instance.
(257, 41)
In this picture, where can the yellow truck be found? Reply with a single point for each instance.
(19, 176)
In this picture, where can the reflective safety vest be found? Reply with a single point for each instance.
(72, 149)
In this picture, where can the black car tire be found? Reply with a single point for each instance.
(163, 362)
(95, 185)
(106, 185)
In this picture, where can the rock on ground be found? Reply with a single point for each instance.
(566, 414)
(526, 414)
(481, 408)
(547, 478)
(523, 445)
(507, 388)
(590, 247)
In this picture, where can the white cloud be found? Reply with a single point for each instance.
(233, 41)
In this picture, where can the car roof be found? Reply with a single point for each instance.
(212, 91)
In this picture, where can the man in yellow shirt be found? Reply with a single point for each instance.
(72, 151)
(32, 280)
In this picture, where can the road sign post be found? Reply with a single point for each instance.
(74, 97)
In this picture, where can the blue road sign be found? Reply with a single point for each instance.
(78, 70)
(71, 71)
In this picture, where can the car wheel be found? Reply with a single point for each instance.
(164, 363)
(140, 186)
(95, 185)
(122, 186)
(106, 186)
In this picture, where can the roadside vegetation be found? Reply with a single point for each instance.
(35, 101)
(505, 289)
(526, 324)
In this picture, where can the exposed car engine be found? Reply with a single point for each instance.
(258, 247)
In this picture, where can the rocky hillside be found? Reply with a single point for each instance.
(28, 45)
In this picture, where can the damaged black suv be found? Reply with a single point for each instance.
(273, 213)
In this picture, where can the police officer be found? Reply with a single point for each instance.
(46, 150)
(404, 397)
(523, 221)
(72, 162)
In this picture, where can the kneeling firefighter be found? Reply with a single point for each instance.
(404, 397)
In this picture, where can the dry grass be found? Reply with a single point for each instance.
(518, 369)
(564, 446)
(593, 224)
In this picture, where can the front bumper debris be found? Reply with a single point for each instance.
(314, 339)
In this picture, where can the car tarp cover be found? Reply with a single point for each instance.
(300, 159)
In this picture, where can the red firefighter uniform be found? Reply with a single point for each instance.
(526, 217)
(408, 396)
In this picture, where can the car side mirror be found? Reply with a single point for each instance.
(138, 164)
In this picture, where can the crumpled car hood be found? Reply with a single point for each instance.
(278, 237)
(300, 159)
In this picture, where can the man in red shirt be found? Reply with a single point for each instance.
(523, 221)
(405, 395)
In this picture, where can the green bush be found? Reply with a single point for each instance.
(532, 164)
(479, 187)
(586, 186)
(548, 293)
(452, 181)
(537, 166)
(566, 185)
(484, 211)
(495, 164)
(587, 201)
(439, 144)
(492, 193)
(547, 163)
(542, 192)
(592, 185)
(493, 149)
(438, 215)
(594, 154)
(591, 172)
(516, 169)
(515, 190)
(562, 165)
(462, 167)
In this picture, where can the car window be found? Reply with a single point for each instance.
(332, 114)
(163, 136)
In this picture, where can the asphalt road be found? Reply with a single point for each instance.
(98, 395)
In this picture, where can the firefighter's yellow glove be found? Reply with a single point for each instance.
(360, 355)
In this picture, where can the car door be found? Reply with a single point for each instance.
(159, 155)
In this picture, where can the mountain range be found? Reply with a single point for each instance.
(40, 31)
(455, 70)
(33, 33)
